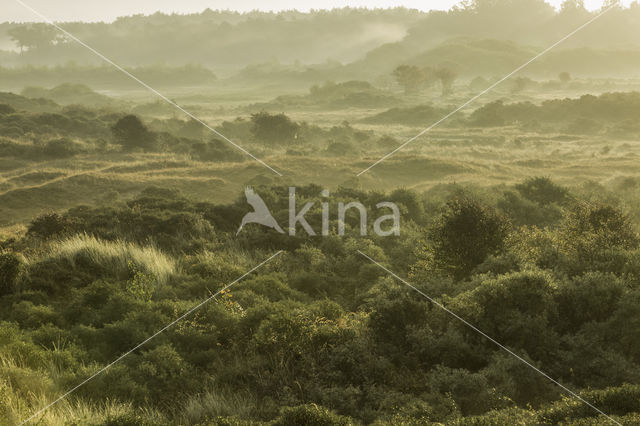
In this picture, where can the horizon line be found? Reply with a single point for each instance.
(304, 11)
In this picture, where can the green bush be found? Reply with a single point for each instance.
(131, 133)
(464, 235)
(542, 191)
(61, 148)
(310, 414)
(10, 268)
(273, 129)
(50, 225)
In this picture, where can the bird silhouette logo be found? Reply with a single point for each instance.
(260, 213)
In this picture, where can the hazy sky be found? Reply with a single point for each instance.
(101, 10)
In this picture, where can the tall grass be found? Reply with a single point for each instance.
(23, 392)
(116, 257)
(207, 406)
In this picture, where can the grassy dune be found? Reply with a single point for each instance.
(479, 156)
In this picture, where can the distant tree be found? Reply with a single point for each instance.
(274, 128)
(572, 6)
(519, 84)
(411, 78)
(564, 77)
(572, 12)
(33, 36)
(609, 3)
(478, 83)
(447, 77)
(131, 133)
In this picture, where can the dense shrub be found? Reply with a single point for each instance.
(216, 150)
(6, 109)
(273, 129)
(50, 225)
(61, 148)
(10, 267)
(464, 235)
(310, 414)
(131, 133)
(542, 190)
(321, 326)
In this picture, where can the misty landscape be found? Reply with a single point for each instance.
(141, 284)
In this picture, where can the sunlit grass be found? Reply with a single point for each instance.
(116, 257)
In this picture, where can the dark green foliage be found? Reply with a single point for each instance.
(515, 309)
(129, 419)
(321, 335)
(131, 133)
(490, 115)
(6, 109)
(538, 202)
(523, 211)
(275, 129)
(609, 226)
(310, 414)
(464, 235)
(393, 322)
(50, 225)
(171, 221)
(542, 191)
(584, 115)
(51, 123)
(61, 148)
(593, 297)
(216, 150)
(10, 266)
(613, 401)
